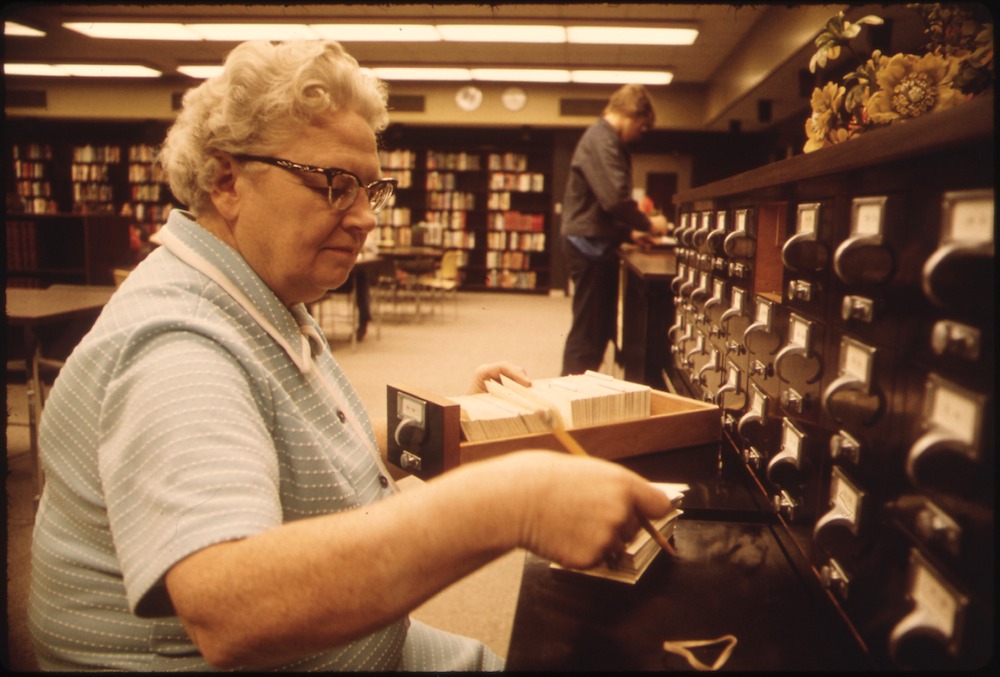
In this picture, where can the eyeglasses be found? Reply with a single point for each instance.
(342, 187)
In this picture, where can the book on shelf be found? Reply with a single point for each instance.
(643, 549)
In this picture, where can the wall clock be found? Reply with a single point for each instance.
(469, 98)
(514, 98)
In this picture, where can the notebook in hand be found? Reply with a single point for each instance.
(642, 550)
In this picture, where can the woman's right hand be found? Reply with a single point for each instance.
(574, 511)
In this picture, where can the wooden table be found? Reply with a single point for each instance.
(32, 309)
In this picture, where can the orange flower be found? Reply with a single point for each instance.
(911, 86)
(823, 126)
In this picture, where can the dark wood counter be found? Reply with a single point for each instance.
(736, 573)
(645, 312)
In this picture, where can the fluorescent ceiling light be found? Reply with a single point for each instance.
(497, 33)
(451, 74)
(31, 69)
(622, 77)
(627, 35)
(377, 32)
(488, 75)
(132, 31)
(388, 32)
(81, 70)
(14, 28)
(232, 32)
(520, 74)
(200, 72)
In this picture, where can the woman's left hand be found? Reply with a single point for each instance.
(492, 372)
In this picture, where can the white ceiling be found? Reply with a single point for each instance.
(733, 41)
(722, 26)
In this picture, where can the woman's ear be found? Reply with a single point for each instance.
(225, 193)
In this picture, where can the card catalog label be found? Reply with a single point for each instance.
(720, 221)
(935, 598)
(845, 498)
(734, 376)
(799, 333)
(757, 402)
(763, 313)
(807, 220)
(737, 298)
(791, 439)
(741, 220)
(868, 219)
(954, 412)
(972, 220)
(857, 362)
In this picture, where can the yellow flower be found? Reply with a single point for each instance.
(822, 127)
(911, 86)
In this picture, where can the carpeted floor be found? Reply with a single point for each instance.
(436, 353)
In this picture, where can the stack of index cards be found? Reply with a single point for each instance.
(508, 409)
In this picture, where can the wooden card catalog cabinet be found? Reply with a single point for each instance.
(959, 276)
(877, 306)
(949, 456)
(866, 257)
(806, 251)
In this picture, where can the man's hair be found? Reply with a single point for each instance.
(266, 93)
(632, 101)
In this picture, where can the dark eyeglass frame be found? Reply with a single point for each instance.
(378, 198)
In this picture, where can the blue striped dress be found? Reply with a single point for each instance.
(198, 410)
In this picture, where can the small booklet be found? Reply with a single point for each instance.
(643, 549)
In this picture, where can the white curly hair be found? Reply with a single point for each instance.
(266, 93)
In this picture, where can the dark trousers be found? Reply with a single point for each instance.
(595, 306)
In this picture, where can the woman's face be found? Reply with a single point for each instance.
(286, 229)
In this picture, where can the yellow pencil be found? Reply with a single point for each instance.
(572, 446)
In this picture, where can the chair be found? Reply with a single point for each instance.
(39, 375)
(445, 279)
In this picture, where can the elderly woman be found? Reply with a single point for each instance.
(215, 495)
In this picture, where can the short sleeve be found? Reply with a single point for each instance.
(186, 459)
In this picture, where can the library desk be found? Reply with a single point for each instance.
(736, 573)
(645, 312)
(33, 309)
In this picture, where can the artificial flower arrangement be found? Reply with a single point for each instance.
(885, 90)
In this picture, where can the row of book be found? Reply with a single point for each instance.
(99, 154)
(22, 253)
(508, 260)
(510, 279)
(449, 200)
(453, 161)
(397, 159)
(513, 220)
(511, 161)
(32, 151)
(522, 183)
(526, 242)
(24, 169)
(509, 409)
